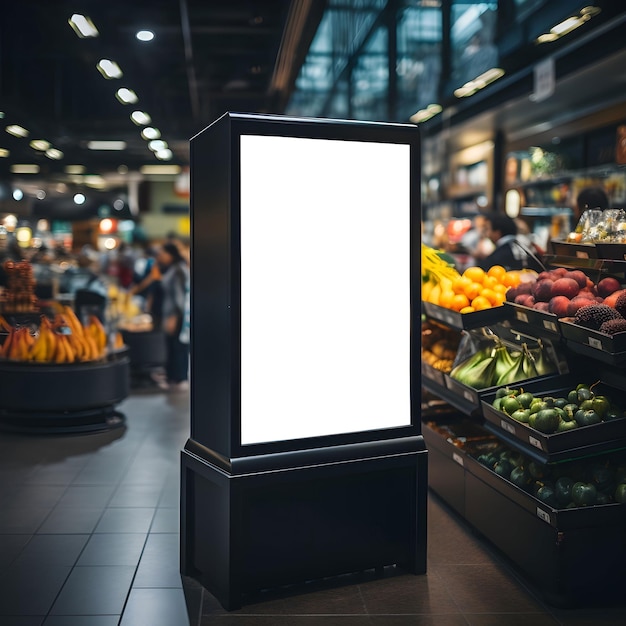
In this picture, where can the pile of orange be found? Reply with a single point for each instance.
(476, 289)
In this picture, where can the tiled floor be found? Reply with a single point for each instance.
(89, 537)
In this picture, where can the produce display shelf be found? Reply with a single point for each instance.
(570, 444)
(534, 320)
(466, 321)
(574, 557)
(466, 404)
(607, 348)
(63, 397)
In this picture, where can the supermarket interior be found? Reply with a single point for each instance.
(215, 406)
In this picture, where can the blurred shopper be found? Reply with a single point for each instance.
(590, 198)
(509, 251)
(175, 282)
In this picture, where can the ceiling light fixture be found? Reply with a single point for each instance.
(160, 169)
(164, 155)
(16, 130)
(568, 25)
(157, 144)
(53, 153)
(39, 144)
(109, 69)
(24, 168)
(480, 82)
(75, 169)
(83, 26)
(140, 118)
(150, 133)
(425, 114)
(106, 145)
(4, 153)
(126, 96)
(79, 198)
(145, 35)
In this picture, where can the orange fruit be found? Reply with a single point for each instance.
(445, 299)
(497, 271)
(500, 288)
(467, 309)
(459, 301)
(459, 284)
(490, 282)
(491, 295)
(511, 279)
(480, 303)
(475, 274)
(472, 290)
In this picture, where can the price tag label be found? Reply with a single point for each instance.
(595, 343)
(508, 427)
(469, 396)
(534, 442)
(521, 316)
(581, 254)
(543, 515)
(549, 325)
(458, 458)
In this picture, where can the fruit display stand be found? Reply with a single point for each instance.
(572, 554)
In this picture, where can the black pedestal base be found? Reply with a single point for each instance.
(262, 530)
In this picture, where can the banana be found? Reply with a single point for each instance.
(504, 361)
(514, 374)
(466, 365)
(480, 376)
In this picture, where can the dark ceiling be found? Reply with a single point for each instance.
(207, 57)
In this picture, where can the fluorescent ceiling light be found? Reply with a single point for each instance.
(39, 144)
(106, 145)
(4, 153)
(150, 133)
(164, 155)
(24, 168)
(425, 114)
(145, 35)
(126, 96)
(53, 153)
(160, 169)
(83, 26)
(74, 169)
(95, 180)
(157, 144)
(109, 69)
(16, 130)
(568, 25)
(480, 82)
(140, 118)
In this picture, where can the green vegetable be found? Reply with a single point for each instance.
(584, 494)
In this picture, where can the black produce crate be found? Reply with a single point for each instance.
(613, 251)
(573, 557)
(578, 250)
(547, 323)
(571, 444)
(432, 374)
(608, 348)
(463, 395)
(465, 321)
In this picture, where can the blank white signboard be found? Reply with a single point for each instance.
(325, 287)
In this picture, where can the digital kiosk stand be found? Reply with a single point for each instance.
(305, 458)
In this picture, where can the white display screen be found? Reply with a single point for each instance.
(325, 287)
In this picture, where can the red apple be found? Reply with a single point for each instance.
(579, 276)
(559, 305)
(565, 287)
(607, 286)
(542, 290)
(541, 306)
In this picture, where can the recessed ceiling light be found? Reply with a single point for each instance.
(157, 144)
(18, 194)
(74, 169)
(160, 169)
(53, 153)
(16, 130)
(164, 155)
(4, 153)
(126, 96)
(145, 35)
(83, 26)
(150, 133)
(109, 69)
(79, 198)
(39, 144)
(140, 118)
(24, 168)
(106, 145)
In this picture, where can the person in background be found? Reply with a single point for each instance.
(590, 198)
(175, 284)
(509, 251)
(475, 241)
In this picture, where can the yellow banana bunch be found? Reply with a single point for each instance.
(437, 274)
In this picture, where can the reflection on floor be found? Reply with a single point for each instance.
(89, 537)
